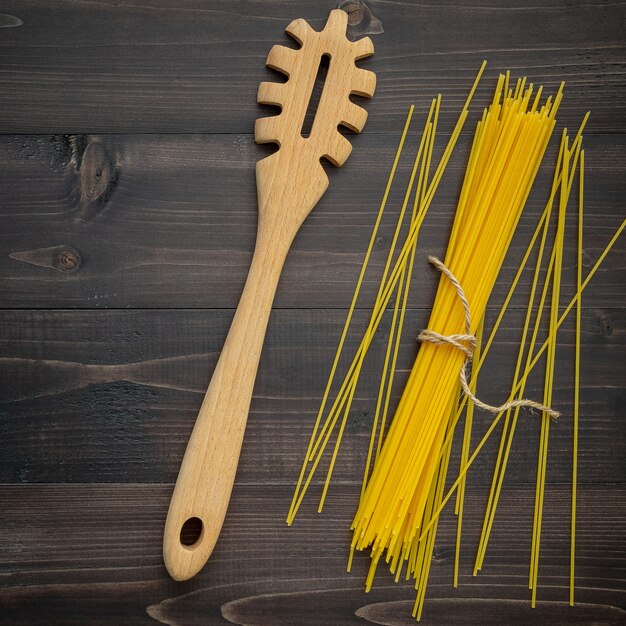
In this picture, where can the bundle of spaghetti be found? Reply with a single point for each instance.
(508, 147)
(395, 282)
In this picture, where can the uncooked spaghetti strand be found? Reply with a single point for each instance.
(549, 379)
(316, 462)
(387, 372)
(357, 290)
(342, 427)
(340, 399)
(541, 458)
(394, 359)
(534, 361)
(579, 264)
(467, 435)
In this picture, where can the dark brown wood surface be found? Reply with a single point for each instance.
(127, 220)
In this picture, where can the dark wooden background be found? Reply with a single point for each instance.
(127, 219)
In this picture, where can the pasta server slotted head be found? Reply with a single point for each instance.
(290, 182)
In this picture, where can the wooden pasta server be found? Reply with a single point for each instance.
(290, 182)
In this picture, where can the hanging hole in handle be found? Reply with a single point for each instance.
(191, 532)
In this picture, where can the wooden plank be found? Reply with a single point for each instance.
(111, 396)
(169, 221)
(72, 554)
(153, 67)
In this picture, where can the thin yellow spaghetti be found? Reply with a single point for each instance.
(508, 147)
(321, 436)
(579, 266)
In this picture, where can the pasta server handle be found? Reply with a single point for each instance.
(207, 473)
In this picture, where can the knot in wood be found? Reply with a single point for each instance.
(95, 171)
(67, 260)
(354, 11)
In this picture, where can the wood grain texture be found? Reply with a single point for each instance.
(105, 568)
(104, 396)
(153, 67)
(175, 224)
(127, 224)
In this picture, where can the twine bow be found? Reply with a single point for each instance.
(466, 343)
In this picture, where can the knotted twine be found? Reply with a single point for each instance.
(466, 343)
